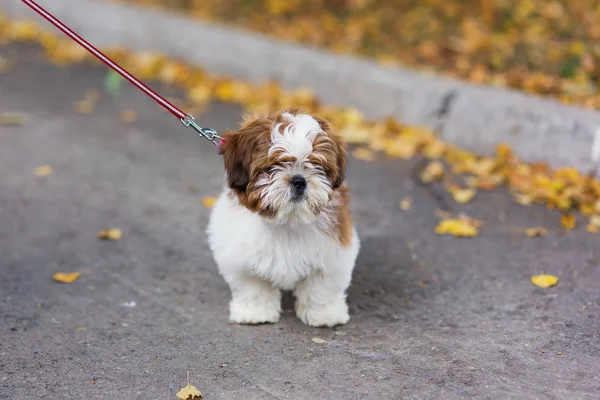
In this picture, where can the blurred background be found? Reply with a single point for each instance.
(546, 47)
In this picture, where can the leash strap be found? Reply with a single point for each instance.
(186, 119)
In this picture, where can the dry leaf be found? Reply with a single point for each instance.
(568, 222)
(209, 202)
(84, 107)
(200, 94)
(463, 196)
(63, 277)
(460, 227)
(318, 340)
(12, 119)
(43, 170)
(536, 232)
(354, 135)
(523, 199)
(434, 149)
(544, 281)
(405, 204)
(189, 392)
(434, 171)
(110, 234)
(128, 116)
(402, 148)
(591, 228)
(364, 154)
(594, 225)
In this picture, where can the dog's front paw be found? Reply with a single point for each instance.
(252, 313)
(329, 315)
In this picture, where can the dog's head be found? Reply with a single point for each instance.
(286, 166)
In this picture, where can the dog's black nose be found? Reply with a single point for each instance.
(298, 183)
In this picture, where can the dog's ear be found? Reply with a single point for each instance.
(338, 157)
(241, 148)
(341, 161)
(236, 162)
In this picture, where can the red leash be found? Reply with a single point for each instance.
(186, 119)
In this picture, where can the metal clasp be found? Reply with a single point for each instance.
(206, 133)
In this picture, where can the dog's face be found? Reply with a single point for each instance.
(284, 167)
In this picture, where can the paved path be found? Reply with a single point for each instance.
(432, 317)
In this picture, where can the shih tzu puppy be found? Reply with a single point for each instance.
(283, 222)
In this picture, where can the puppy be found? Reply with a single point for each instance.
(283, 222)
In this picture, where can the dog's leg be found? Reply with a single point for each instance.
(253, 301)
(321, 300)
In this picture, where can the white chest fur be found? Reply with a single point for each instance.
(244, 243)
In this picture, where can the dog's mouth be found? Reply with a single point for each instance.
(298, 197)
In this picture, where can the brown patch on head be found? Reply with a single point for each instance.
(329, 151)
(341, 227)
(242, 150)
(245, 156)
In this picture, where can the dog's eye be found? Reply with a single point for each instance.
(284, 164)
(280, 166)
(309, 165)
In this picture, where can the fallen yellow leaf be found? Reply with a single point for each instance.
(209, 202)
(405, 204)
(43, 170)
(12, 119)
(535, 232)
(128, 116)
(503, 151)
(523, 199)
(354, 135)
(544, 281)
(463, 196)
(594, 225)
(434, 149)
(318, 340)
(84, 106)
(63, 277)
(568, 222)
(110, 234)
(189, 392)
(172, 72)
(225, 91)
(364, 154)
(200, 94)
(434, 171)
(402, 148)
(22, 30)
(351, 116)
(460, 227)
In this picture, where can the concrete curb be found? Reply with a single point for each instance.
(476, 118)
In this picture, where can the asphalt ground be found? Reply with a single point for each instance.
(432, 317)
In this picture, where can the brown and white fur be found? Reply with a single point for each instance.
(283, 222)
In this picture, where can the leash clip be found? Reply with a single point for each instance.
(207, 133)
